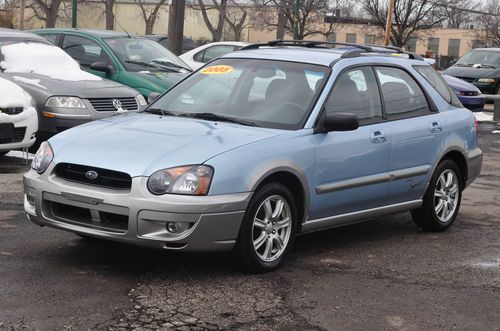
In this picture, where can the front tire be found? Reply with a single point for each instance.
(442, 199)
(268, 229)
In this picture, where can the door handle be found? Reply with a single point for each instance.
(378, 137)
(436, 127)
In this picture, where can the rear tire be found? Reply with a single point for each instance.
(268, 229)
(442, 199)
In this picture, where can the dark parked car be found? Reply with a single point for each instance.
(470, 96)
(481, 67)
(187, 43)
(63, 94)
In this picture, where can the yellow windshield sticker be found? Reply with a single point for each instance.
(216, 70)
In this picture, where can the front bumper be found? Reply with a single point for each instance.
(134, 216)
(474, 164)
(27, 122)
(473, 103)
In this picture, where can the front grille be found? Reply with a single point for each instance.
(470, 93)
(19, 134)
(105, 178)
(467, 79)
(106, 104)
(83, 216)
(11, 110)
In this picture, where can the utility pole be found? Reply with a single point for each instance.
(176, 26)
(21, 15)
(296, 20)
(388, 26)
(74, 13)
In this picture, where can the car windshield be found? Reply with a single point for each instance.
(273, 94)
(483, 57)
(139, 54)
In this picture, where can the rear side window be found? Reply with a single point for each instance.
(53, 38)
(436, 81)
(402, 94)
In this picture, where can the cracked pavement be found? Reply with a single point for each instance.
(380, 274)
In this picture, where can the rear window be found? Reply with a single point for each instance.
(436, 81)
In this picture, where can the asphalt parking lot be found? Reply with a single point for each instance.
(381, 274)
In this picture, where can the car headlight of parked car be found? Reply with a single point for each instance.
(191, 180)
(42, 158)
(487, 80)
(65, 102)
(141, 101)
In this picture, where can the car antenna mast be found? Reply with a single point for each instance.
(128, 34)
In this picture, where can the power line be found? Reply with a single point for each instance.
(473, 11)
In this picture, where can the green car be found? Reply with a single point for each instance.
(134, 61)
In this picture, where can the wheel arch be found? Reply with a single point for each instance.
(295, 180)
(460, 160)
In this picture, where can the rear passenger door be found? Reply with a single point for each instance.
(351, 167)
(417, 133)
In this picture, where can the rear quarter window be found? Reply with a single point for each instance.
(435, 79)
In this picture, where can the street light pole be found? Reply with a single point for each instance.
(296, 20)
(388, 26)
(74, 13)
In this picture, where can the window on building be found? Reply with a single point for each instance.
(411, 45)
(433, 45)
(454, 48)
(350, 37)
(332, 37)
(370, 39)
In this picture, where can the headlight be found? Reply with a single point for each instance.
(140, 100)
(191, 180)
(64, 102)
(486, 80)
(42, 158)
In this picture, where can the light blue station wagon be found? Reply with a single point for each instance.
(261, 145)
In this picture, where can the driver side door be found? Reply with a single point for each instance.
(352, 166)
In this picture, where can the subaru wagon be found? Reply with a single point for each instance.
(275, 140)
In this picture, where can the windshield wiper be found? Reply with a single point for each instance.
(488, 66)
(171, 64)
(215, 117)
(150, 65)
(159, 111)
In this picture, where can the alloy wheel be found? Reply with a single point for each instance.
(446, 195)
(272, 226)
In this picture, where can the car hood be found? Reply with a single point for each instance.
(83, 88)
(459, 85)
(470, 72)
(140, 144)
(164, 79)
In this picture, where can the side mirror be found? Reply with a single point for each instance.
(339, 122)
(101, 66)
(153, 96)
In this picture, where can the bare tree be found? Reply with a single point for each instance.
(149, 11)
(280, 15)
(490, 23)
(46, 11)
(236, 18)
(411, 17)
(215, 28)
(456, 17)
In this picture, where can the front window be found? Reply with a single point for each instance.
(140, 54)
(274, 94)
(485, 58)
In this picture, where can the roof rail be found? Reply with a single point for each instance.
(360, 49)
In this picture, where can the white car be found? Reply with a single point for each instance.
(18, 118)
(196, 58)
